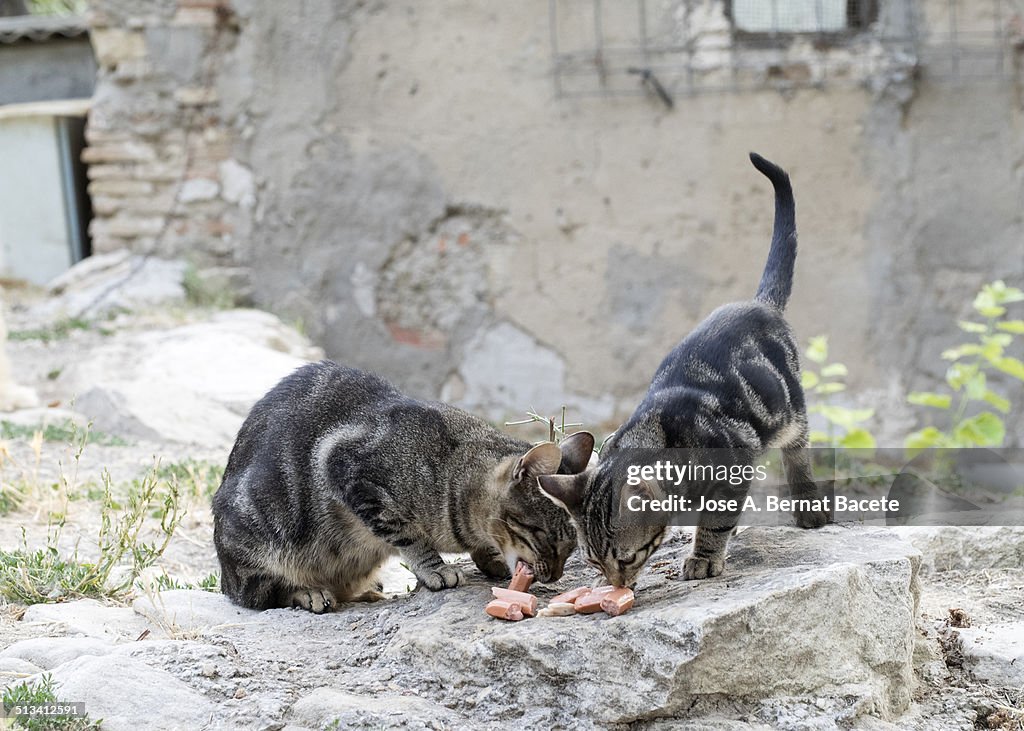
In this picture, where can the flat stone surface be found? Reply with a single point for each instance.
(90, 618)
(191, 384)
(130, 695)
(46, 653)
(192, 610)
(995, 653)
(325, 706)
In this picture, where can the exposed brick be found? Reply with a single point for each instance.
(120, 187)
(195, 96)
(114, 45)
(119, 152)
(126, 227)
(205, 17)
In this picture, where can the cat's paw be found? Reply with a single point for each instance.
(316, 601)
(370, 596)
(491, 565)
(810, 518)
(443, 577)
(702, 568)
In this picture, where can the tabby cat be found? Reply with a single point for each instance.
(732, 384)
(334, 470)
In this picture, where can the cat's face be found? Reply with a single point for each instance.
(618, 548)
(528, 526)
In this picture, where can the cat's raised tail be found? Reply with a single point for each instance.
(777, 280)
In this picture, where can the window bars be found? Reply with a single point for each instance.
(672, 48)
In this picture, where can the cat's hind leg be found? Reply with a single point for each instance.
(799, 475)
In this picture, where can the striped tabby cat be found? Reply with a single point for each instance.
(334, 471)
(732, 384)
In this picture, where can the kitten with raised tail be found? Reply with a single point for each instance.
(335, 470)
(732, 385)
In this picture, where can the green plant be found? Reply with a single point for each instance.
(58, 7)
(164, 582)
(843, 425)
(60, 330)
(41, 693)
(206, 291)
(127, 543)
(58, 433)
(197, 478)
(967, 377)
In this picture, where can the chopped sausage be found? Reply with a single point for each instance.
(557, 609)
(617, 602)
(526, 602)
(505, 610)
(522, 578)
(591, 603)
(570, 596)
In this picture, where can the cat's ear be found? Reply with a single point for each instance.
(565, 491)
(630, 508)
(540, 460)
(577, 449)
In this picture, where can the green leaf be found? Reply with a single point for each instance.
(985, 430)
(961, 350)
(1010, 365)
(808, 379)
(959, 374)
(996, 400)
(975, 386)
(924, 439)
(846, 418)
(828, 388)
(817, 348)
(987, 302)
(858, 439)
(1011, 326)
(926, 398)
(1002, 339)
(1001, 293)
(833, 370)
(972, 327)
(818, 437)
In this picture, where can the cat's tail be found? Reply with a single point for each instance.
(777, 280)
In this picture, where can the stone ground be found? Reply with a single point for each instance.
(849, 627)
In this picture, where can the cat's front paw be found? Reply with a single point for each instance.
(811, 518)
(443, 577)
(316, 601)
(491, 564)
(702, 568)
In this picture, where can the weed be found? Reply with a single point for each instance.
(44, 575)
(198, 478)
(41, 693)
(67, 432)
(842, 424)
(165, 582)
(54, 374)
(203, 292)
(970, 364)
(60, 330)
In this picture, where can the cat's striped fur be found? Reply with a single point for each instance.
(334, 470)
(732, 384)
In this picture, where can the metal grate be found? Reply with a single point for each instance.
(676, 48)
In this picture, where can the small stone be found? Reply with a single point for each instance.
(240, 693)
(209, 670)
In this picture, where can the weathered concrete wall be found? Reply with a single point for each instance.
(427, 207)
